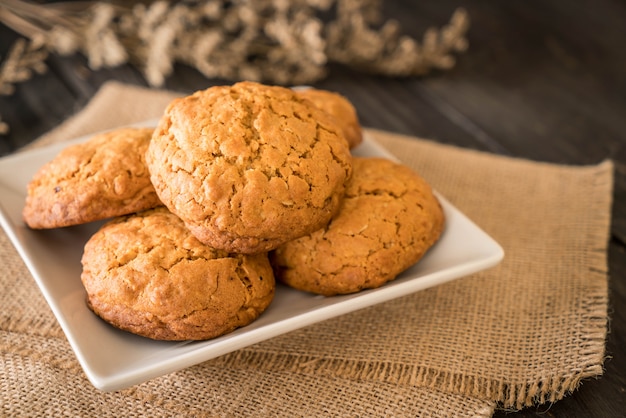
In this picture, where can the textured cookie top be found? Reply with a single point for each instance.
(248, 167)
(147, 274)
(105, 176)
(341, 109)
(388, 219)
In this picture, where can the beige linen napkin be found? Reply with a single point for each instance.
(524, 332)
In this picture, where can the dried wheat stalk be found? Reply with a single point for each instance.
(274, 41)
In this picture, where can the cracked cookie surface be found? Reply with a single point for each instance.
(341, 109)
(105, 176)
(248, 167)
(145, 273)
(389, 218)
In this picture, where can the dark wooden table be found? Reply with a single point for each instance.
(543, 80)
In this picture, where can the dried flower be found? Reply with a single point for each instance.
(385, 51)
(23, 59)
(274, 41)
(101, 44)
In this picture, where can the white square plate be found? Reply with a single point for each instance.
(114, 359)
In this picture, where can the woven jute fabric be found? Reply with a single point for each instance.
(524, 332)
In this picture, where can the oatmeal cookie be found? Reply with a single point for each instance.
(145, 273)
(341, 109)
(389, 218)
(248, 167)
(105, 176)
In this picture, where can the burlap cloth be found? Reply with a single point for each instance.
(525, 332)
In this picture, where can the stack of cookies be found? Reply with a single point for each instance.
(237, 187)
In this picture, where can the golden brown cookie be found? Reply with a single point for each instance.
(105, 176)
(248, 167)
(341, 109)
(145, 273)
(389, 218)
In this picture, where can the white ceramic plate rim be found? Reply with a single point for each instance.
(114, 360)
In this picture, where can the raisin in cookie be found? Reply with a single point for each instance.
(341, 109)
(145, 273)
(105, 176)
(388, 219)
(248, 167)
